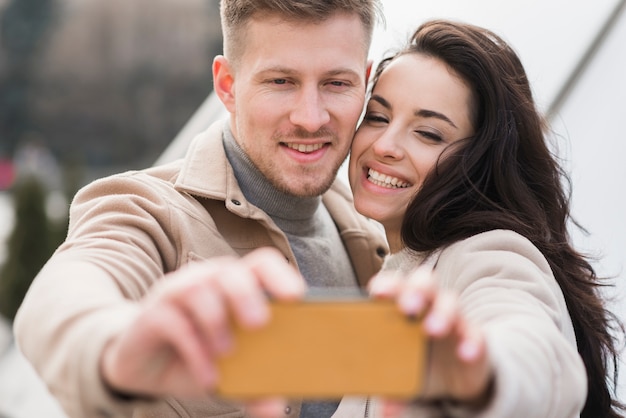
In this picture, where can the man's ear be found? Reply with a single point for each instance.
(368, 71)
(223, 82)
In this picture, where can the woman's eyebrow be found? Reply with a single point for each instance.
(432, 114)
(381, 100)
(424, 113)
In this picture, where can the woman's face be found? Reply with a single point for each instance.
(417, 109)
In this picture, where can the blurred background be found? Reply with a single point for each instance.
(90, 88)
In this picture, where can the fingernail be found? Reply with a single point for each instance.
(256, 314)
(468, 350)
(435, 324)
(379, 287)
(411, 304)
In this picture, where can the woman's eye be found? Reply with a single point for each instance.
(431, 136)
(374, 118)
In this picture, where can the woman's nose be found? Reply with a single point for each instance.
(388, 145)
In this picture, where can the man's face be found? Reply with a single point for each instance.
(296, 96)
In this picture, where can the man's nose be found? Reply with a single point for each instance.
(310, 112)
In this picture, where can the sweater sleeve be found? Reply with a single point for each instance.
(506, 286)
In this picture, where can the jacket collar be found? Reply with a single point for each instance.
(205, 171)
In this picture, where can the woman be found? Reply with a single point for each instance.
(452, 159)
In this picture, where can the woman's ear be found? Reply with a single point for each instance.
(223, 82)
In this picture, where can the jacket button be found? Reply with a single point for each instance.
(381, 252)
(287, 410)
(236, 202)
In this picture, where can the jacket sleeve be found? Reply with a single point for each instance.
(89, 290)
(506, 285)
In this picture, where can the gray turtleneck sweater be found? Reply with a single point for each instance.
(321, 256)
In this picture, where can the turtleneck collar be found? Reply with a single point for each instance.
(259, 191)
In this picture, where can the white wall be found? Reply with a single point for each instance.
(592, 119)
(549, 35)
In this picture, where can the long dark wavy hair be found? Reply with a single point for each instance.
(506, 177)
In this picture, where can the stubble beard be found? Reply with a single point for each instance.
(313, 186)
(313, 182)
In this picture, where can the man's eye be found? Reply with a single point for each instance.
(279, 81)
(338, 83)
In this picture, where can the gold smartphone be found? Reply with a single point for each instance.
(325, 349)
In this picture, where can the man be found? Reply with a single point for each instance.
(129, 314)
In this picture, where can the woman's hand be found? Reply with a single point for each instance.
(459, 368)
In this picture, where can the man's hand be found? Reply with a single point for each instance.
(170, 348)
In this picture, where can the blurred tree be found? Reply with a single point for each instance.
(24, 26)
(29, 246)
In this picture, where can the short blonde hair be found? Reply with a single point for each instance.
(235, 14)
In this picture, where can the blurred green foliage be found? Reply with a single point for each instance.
(31, 243)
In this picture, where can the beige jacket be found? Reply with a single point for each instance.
(506, 285)
(125, 233)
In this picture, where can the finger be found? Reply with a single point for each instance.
(281, 280)
(243, 295)
(385, 285)
(209, 313)
(235, 285)
(472, 346)
(177, 331)
(443, 317)
(392, 408)
(267, 408)
(473, 359)
(418, 292)
(194, 291)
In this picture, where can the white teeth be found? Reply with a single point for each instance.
(384, 180)
(305, 147)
